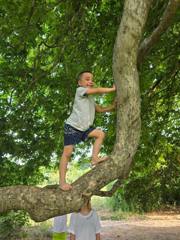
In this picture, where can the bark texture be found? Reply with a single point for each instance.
(44, 203)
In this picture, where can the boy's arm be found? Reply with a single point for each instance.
(98, 236)
(73, 237)
(106, 109)
(100, 90)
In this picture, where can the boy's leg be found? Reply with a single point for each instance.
(99, 136)
(67, 152)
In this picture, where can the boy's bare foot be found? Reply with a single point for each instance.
(96, 161)
(65, 186)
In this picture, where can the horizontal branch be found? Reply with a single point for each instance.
(50, 201)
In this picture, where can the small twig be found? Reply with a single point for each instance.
(165, 22)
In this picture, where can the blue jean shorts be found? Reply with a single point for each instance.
(74, 136)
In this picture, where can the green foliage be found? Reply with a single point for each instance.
(42, 49)
(11, 224)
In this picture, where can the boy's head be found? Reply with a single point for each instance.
(85, 79)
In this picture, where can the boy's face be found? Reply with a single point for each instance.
(86, 80)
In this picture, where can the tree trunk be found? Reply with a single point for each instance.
(127, 81)
(44, 203)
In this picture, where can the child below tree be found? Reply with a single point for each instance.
(85, 225)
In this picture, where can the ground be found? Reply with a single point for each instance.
(152, 227)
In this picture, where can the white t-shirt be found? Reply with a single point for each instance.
(60, 224)
(85, 227)
(83, 113)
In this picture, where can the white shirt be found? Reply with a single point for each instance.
(83, 113)
(60, 224)
(85, 227)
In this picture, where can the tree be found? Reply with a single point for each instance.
(36, 200)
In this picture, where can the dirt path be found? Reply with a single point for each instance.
(153, 227)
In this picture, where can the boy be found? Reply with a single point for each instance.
(78, 127)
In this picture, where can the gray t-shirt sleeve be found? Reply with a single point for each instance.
(81, 91)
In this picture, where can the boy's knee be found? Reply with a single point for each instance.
(67, 154)
(102, 134)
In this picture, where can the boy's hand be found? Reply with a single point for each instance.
(90, 84)
(114, 87)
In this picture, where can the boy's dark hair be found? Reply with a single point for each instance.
(81, 73)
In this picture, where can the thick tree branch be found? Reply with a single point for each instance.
(127, 79)
(44, 203)
(165, 22)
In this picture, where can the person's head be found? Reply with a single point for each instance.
(85, 79)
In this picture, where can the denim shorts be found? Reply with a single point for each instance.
(74, 136)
